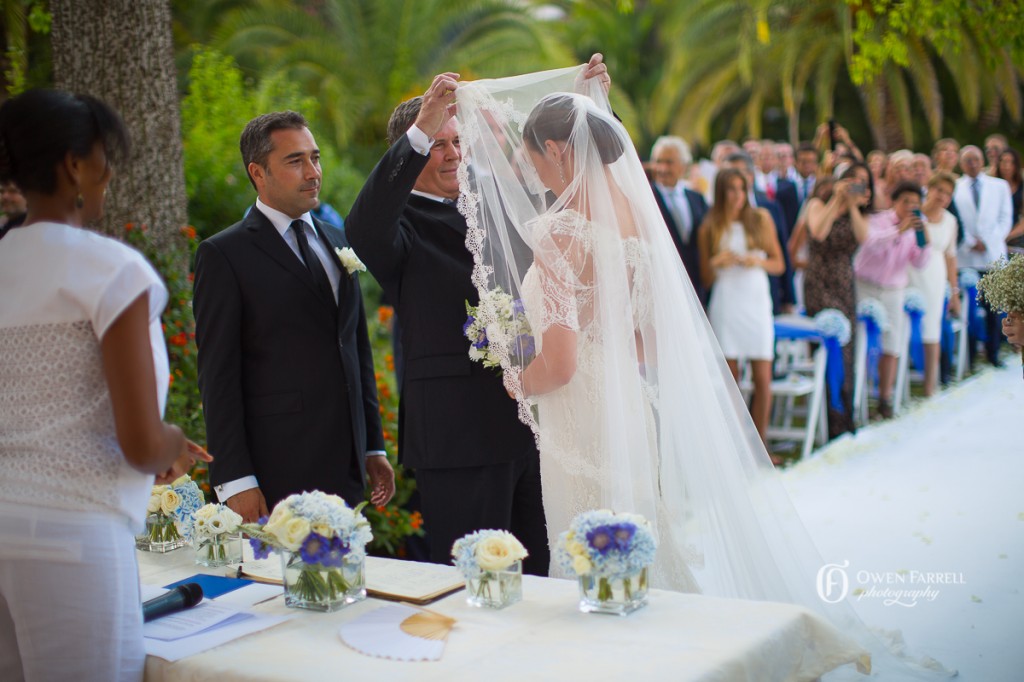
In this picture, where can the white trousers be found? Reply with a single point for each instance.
(69, 597)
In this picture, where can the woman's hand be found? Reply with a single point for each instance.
(1013, 328)
(754, 259)
(191, 454)
(953, 308)
(911, 222)
(724, 259)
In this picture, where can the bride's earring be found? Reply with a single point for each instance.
(561, 175)
(79, 201)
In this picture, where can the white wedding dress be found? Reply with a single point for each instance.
(577, 465)
(561, 216)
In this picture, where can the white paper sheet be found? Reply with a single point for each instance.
(189, 622)
(187, 646)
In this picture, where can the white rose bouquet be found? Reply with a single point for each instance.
(498, 327)
(170, 510)
(318, 534)
(490, 556)
(213, 525)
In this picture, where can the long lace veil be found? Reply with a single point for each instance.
(657, 425)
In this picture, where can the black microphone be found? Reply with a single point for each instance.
(180, 598)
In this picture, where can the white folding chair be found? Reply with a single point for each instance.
(901, 390)
(811, 388)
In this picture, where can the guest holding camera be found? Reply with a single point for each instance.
(837, 225)
(896, 241)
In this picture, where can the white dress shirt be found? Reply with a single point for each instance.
(679, 207)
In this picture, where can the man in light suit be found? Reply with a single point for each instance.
(985, 206)
(681, 207)
(285, 367)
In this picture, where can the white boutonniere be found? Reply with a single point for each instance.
(350, 260)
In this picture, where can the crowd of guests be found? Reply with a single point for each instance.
(767, 228)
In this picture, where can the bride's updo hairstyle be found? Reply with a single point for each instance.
(40, 127)
(554, 118)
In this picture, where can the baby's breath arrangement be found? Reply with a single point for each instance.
(1003, 285)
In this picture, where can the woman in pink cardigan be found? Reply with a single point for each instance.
(882, 268)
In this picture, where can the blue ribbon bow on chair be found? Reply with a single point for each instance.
(946, 340)
(975, 323)
(914, 305)
(871, 312)
(830, 331)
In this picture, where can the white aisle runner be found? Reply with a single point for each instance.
(924, 517)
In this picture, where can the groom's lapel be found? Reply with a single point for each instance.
(270, 241)
(333, 239)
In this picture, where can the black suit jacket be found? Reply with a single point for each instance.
(286, 376)
(786, 198)
(688, 251)
(453, 412)
(783, 292)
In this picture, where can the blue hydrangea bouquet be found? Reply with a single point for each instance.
(169, 515)
(492, 563)
(610, 554)
(322, 543)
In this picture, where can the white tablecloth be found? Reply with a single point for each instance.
(544, 637)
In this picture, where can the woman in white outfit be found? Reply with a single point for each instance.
(83, 379)
(738, 250)
(939, 271)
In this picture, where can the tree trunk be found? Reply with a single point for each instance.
(121, 52)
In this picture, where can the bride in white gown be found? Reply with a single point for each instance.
(624, 385)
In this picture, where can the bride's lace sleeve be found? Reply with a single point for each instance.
(564, 267)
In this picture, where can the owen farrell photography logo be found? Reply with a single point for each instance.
(904, 587)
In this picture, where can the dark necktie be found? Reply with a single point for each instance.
(448, 202)
(807, 185)
(313, 263)
(974, 193)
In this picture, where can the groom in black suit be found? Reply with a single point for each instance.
(285, 367)
(476, 464)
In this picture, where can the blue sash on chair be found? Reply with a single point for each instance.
(914, 305)
(975, 315)
(828, 331)
(946, 340)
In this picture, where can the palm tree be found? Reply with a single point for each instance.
(742, 55)
(359, 58)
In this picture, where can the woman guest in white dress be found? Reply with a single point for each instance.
(739, 249)
(83, 379)
(937, 272)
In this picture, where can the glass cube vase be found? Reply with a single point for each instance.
(495, 589)
(321, 588)
(161, 535)
(616, 596)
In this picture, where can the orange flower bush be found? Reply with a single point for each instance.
(391, 523)
(184, 407)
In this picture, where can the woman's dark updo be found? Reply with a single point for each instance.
(553, 119)
(39, 127)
